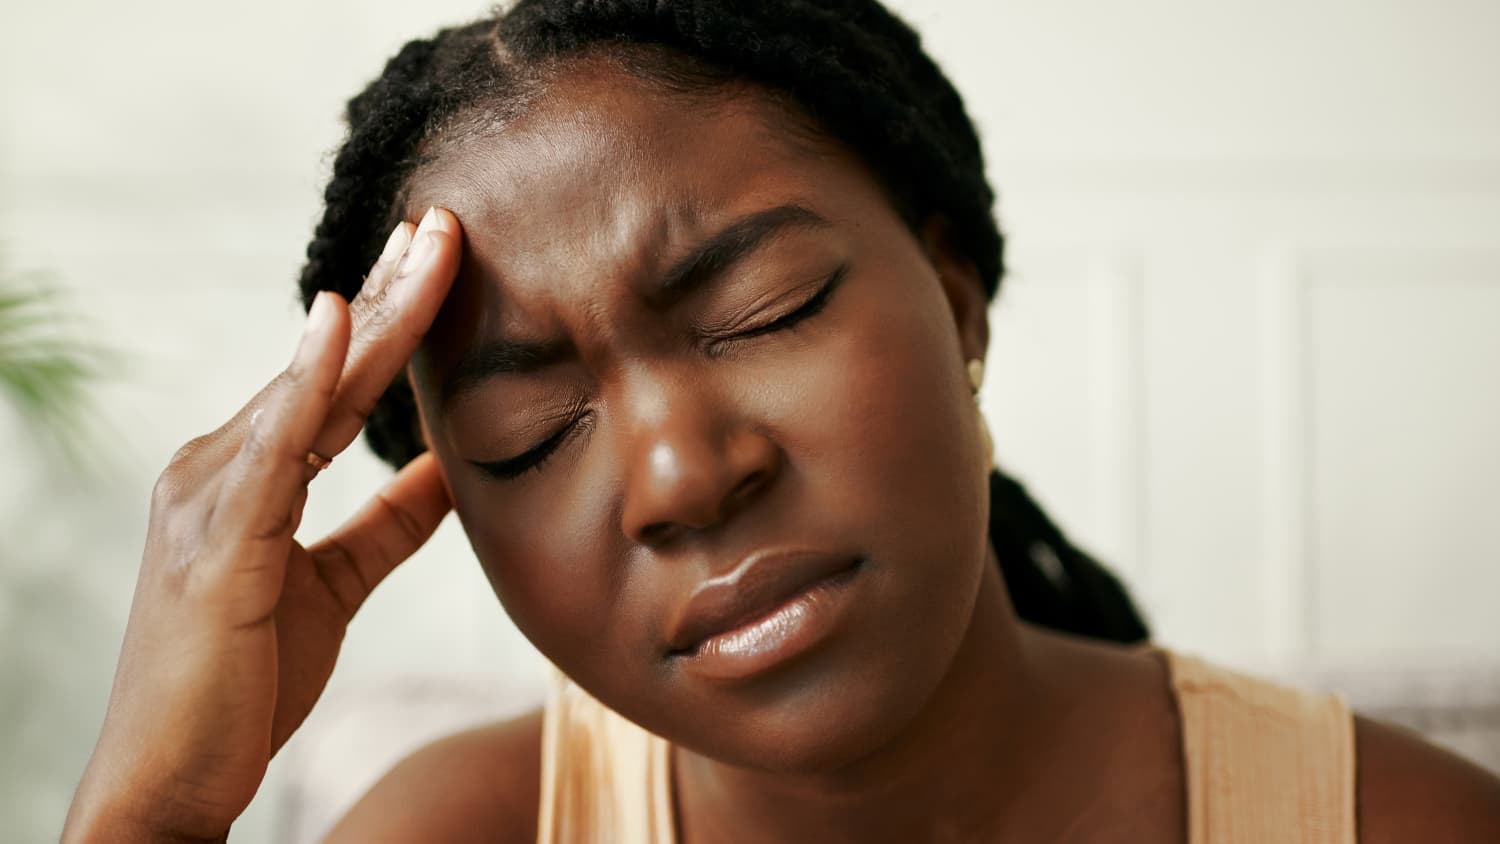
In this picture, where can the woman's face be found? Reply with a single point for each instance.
(727, 344)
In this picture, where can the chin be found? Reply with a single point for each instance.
(836, 707)
(835, 728)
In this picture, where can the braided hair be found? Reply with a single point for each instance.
(849, 69)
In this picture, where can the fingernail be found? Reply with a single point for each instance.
(421, 244)
(396, 243)
(317, 321)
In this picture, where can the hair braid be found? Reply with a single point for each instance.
(855, 69)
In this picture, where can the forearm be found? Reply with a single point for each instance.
(106, 809)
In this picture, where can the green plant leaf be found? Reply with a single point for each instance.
(46, 372)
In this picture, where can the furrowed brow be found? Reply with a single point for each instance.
(709, 261)
(491, 358)
(716, 255)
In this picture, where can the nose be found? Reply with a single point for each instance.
(691, 465)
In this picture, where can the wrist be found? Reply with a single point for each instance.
(119, 814)
(90, 823)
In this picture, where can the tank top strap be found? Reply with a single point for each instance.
(604, 779)
(1263, 762)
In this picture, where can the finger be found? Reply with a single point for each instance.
(257, 502)
(218, 447)
(384, 533)
(391, 314)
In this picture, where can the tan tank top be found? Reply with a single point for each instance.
(1263, 763)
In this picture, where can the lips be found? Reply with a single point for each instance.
(762, 584)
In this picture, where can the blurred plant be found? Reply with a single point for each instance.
(56, 580)
(45, 370)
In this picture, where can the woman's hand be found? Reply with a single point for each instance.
(235, 626)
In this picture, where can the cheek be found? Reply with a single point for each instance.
(901, 460)
(882, 409)
(547, 568)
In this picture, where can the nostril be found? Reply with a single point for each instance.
(656, 534)
(747, 488)
(659, 533)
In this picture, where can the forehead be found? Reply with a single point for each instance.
(603, 168)
(592, 124)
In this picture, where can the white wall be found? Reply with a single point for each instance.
(1248, 350)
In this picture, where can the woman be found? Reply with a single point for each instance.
(687, 334)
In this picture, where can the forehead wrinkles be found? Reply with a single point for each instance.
(566, 205)
(561, 231)
(590, 189)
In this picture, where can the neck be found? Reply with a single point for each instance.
(954, 773)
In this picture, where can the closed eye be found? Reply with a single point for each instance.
(515, 467)
(533, 459)
(812, 306)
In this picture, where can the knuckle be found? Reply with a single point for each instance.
(363, 406)
(326, 388)
(297, 377)
(372, 310)
(273, 526)
(187, 455)
(288, 377)
(411, 529)
(167, 490)
(174, 543)
(291, 378)
(173, 484)
(264, 442)
(257, 446)
(338, 570)
(352, 408)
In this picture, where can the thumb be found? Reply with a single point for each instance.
(398, 520)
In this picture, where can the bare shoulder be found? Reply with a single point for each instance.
(480, 785)
(1409, 790)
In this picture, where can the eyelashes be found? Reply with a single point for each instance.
(813, 305)
(533, 459)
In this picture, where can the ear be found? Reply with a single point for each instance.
(961, 285)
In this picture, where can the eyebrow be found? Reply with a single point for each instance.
(709, 261)
(732, 244)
